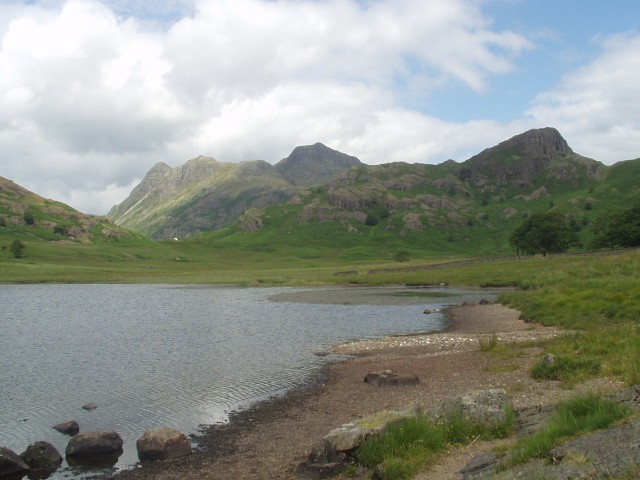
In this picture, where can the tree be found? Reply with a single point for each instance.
(543, 232)
(17, 248)
(619, 228)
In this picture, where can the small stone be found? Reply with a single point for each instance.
(479, 462)
(89, 406)
(549, 359)
(427, 311)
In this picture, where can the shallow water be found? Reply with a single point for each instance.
(153, 355)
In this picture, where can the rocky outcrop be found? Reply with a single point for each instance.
(94, 443)
(41, 456)
(610, 453)
(11, 463)
(162, 444)
(487, 407)
(70, 427)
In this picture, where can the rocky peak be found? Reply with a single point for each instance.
(314, 164)
(519, 160)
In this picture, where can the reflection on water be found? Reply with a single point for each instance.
(152, 356)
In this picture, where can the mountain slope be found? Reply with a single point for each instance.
(27, 215)
(205, 194)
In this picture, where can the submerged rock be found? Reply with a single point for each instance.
(68, 428)
(41, 456)
(162, 443)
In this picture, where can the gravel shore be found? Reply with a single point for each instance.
(269, 440)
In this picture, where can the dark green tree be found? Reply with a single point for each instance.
(543, 232)
(17, 248)
(619, 228)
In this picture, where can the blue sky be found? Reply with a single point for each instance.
(94, 92)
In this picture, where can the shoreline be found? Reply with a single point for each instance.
(270, 438)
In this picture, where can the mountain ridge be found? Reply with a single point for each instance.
(214, 194)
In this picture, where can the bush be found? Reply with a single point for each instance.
(401, 257)
(29, 218)
(17, 248)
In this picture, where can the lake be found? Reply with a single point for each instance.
(176, 356)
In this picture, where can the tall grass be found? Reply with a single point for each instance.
(408, 445)
(580, 415)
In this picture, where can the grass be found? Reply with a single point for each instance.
(573, 417)
(409, 445)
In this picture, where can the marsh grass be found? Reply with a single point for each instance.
(573, 417)
(408, 445)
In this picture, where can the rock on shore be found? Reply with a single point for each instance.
(11, 463)
(162, 444)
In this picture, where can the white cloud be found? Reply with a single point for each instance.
(596, 107)
(93, 93)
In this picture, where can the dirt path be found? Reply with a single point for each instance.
(269, 442)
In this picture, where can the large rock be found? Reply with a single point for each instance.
(162, 443)
(68, 428)
(94, 443)
(327, 457)
(11, 463)
(487, 407)
(41, 456)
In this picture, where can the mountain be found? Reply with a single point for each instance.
(524, 159)
(467, 208)
(319, 198)
(205, 194)
(26, 214)
(314, 165)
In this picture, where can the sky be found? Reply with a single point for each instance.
(93, 93)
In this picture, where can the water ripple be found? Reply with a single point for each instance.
(152, 355)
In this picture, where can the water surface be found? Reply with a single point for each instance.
(153, 355)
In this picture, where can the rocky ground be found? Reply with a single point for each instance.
(270, 440)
